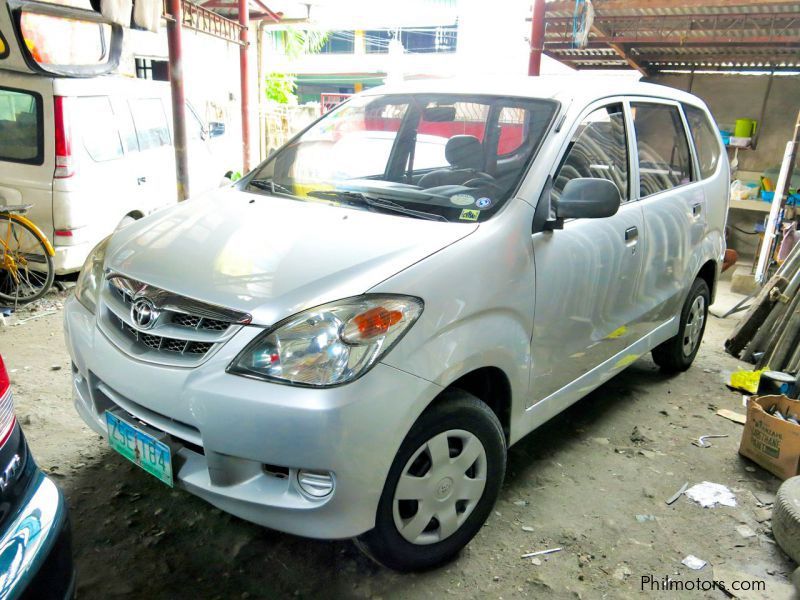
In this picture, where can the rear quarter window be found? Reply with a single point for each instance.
(704, 138)
(21, 135)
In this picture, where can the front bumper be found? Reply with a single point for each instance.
(35, 546)
(229, 432)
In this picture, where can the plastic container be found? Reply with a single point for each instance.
(739, 142)
(767, 196)
(726, 136)
(744, 128)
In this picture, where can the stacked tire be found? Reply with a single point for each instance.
(786, 522)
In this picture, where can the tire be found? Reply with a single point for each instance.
(452, 518)
(786, 518)
(677, 353)
(43, 279)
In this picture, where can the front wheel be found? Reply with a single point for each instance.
(441, 487)
(677, 353)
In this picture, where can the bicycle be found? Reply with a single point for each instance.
(26, 257)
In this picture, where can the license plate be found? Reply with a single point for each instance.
(140, 448)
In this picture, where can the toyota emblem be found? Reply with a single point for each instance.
(144, 313)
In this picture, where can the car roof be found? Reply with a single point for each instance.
(564, 88)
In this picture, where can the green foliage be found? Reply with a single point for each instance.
(299, 42)
(280, 88)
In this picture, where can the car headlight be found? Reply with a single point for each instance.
(330, 344)
(87, 288)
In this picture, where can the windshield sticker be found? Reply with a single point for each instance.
(469, 214)
(462, 199)
(483, 202)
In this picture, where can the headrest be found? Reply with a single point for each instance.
(464, 152)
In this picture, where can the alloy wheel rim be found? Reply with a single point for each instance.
(439, 487)
(694, 325)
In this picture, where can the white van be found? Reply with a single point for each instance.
(89, 153)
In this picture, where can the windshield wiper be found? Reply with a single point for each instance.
(268, 185)
(358, 198)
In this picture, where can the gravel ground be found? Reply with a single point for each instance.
(578, 483)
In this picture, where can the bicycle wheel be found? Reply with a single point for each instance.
(26, 269)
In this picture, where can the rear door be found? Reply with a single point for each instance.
(157, 158)
(107, 182)
(673, 204)
(588, 275)
(27, 145)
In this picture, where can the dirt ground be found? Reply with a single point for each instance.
(578, 483)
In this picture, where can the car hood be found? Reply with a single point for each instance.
(272, 256)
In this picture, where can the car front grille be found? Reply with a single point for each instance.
(183, 332)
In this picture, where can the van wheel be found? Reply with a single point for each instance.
(677, 353)
(441, 487)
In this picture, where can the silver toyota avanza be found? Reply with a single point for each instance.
(347, 341)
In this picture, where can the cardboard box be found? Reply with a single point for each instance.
(769, 441)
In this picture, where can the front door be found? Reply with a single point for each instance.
(588, 274)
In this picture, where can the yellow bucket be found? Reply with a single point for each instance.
(745, 128)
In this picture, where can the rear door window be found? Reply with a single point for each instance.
(98, 128)
(21, 135)
(705, 139)
(127, 132)
(662, 148)
(150, 121)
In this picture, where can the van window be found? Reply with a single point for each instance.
(151, 123)
(21, 135)
(98, 128)
(599, 148)
(705, 139)
(662, 147)
(126, 129)
(194, 126)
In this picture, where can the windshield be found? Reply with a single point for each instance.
(443, 156)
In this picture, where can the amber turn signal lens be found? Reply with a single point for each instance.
(376, 321)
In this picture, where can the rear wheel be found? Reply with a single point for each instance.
(677, 353)
(26, 268)
(442, 486)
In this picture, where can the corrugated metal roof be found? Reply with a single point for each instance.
(657, 35)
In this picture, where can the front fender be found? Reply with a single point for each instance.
(479, 306)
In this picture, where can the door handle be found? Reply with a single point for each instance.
(697, 209)
(141, 180)
(631, 235)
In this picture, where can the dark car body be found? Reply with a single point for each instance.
(35, 544)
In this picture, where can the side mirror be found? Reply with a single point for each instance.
(216, 129)
(588, 198)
